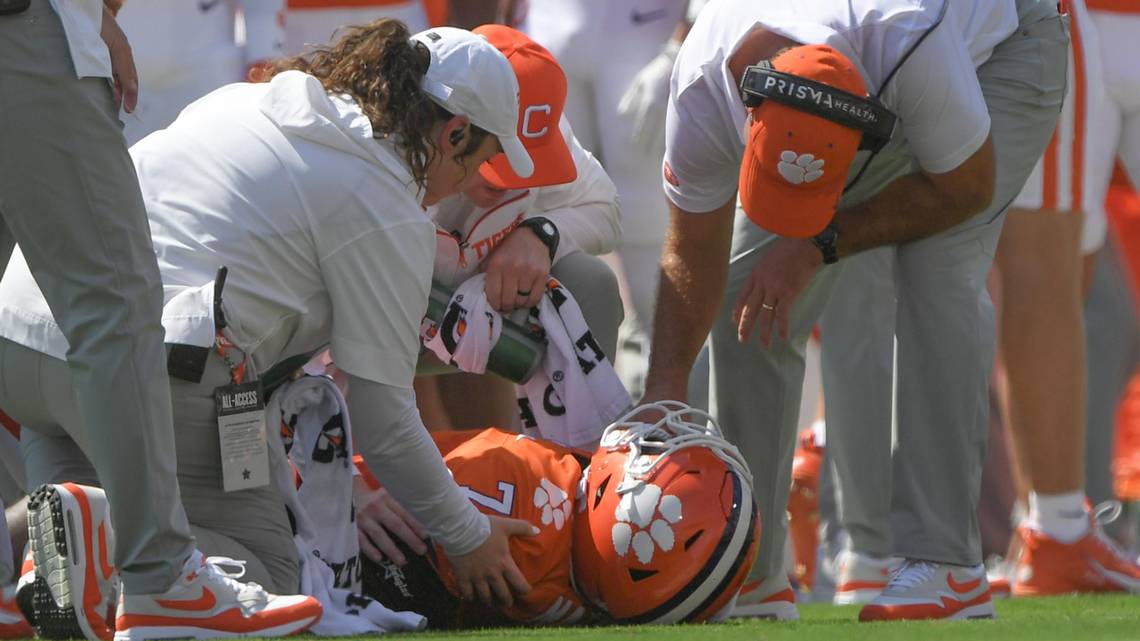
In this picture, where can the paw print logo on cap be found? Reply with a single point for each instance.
(554, 503)
(644, 518)
(799, 168)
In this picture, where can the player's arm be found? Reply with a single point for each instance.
(919, 205)
(694, 270)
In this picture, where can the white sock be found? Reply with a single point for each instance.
(819, 433)
(1061, 516)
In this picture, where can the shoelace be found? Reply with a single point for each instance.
(910, 574)
(248, 594)
(1104, 514)
(680, 426)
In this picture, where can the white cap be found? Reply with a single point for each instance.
(470, 77)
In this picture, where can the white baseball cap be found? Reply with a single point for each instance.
(470, 77)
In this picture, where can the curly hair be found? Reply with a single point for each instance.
(382, 69)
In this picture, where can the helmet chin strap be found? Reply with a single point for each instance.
(681, 426)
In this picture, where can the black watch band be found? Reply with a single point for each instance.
(546, 231)
(825, 242)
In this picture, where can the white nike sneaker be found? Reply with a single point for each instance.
(924, 590)
(74, 586)
(861, 577)
(205, 602)
(772, 598)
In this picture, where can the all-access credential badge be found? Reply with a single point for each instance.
(241, 435)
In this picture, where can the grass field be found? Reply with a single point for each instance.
(1062, 619)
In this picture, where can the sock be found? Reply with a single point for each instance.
(819, 433)
(1061, 516)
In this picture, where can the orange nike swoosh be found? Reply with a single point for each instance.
(962, 588)
(201, 604)
(106, 568)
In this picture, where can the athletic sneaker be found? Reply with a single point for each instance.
(206, 602)
(1092, 563)
(803, 508)
(771, 598)
(861, 577)
(74, 585)
(999, 574)
(13, 625)
(923, 590)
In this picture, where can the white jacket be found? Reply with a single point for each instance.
(585, 211)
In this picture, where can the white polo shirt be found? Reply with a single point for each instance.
(319, 223)
(82, 21)
(935, 95)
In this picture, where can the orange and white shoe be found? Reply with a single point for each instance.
(1000, 573)
(74, 585)
(13, 625)
(1092, 563)
(861, 577)
(206, 602)
(922, 590)
(803, 508)
(772, 598)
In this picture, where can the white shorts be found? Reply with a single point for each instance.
(1116, 123)
(1072, 175)
(317, 26)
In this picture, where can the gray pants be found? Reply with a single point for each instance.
(944, 324)
(857, 329)
(70, 198)
(247, 524)
(595, 289)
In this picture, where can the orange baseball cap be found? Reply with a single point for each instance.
(542, 96)
(795, 163)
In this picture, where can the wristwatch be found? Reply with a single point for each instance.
(545, 230)
(825, 242)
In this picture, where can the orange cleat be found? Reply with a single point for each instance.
(1092, 563)
(1126, 446)
(803, 508)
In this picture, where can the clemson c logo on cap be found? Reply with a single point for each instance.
(527, 132)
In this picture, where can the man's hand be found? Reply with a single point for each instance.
(488, 572)
(378, 518)
(775, 282)
(123, 73)
(517, 271)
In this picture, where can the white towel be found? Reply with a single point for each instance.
(315, 435)
(574, 394)
(468, 330)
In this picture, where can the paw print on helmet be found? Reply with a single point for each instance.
(799, 168)
(554, 503)
(644, 519)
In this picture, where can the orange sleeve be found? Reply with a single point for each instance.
(1117, 6)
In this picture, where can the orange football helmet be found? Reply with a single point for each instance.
(667, 528)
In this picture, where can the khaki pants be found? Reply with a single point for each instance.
(70, 198)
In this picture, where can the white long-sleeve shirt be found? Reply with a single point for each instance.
(585, 211)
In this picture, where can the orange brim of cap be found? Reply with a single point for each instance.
(553, 165)
(782, 208)
(768, 204)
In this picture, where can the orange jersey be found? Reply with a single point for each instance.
(507, 474)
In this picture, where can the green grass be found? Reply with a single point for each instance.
(1063, 619)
